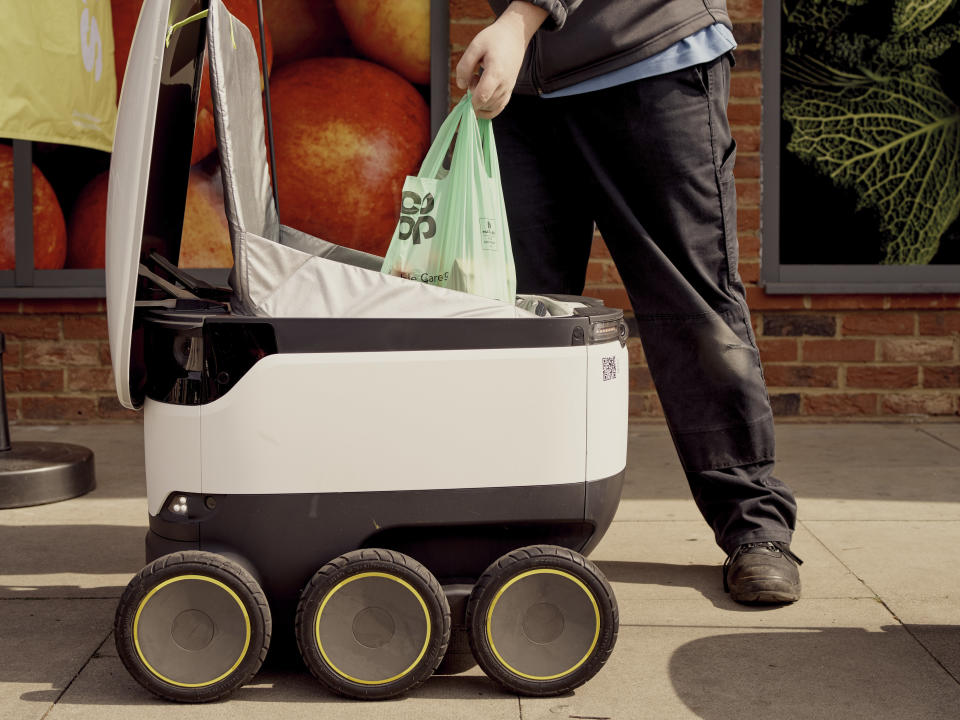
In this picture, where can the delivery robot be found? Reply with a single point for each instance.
(395, 474)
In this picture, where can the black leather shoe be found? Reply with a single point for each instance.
(762, 573)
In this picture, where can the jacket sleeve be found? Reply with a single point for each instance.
(559, 10)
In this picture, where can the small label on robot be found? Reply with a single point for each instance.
(609, 368)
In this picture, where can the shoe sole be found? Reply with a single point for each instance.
(761, 593)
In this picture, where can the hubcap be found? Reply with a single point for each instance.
(372, 628)
(543, 624)
(191, 631)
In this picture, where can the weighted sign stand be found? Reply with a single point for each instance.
(34, 473)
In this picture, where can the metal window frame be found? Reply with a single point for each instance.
(777, 278)
(25, 282)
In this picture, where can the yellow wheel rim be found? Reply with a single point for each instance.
(154, 591)
(543, 571)
(360, 576)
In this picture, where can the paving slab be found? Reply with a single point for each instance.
(860, 445)
(672, 561)
(949, 434)
(868, 669)
(105, 691)
(45, 643)
(936, 625)
(910, 560)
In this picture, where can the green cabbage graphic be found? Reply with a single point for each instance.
(869, 112)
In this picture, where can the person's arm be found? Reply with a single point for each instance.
(498, 49)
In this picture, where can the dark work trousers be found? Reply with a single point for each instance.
(651, 163)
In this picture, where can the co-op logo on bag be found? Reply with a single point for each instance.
(416, 218)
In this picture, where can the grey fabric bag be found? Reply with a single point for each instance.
(279, 271)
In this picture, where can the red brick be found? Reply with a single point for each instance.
(748, 167)
(85, 327)
(879, 323)
(460, 9)
(89, 379)
(757, 299)
(13, 409)
(635, 352)
(33, 381)
(882, 376)
(746, 85)
(748, 193)
(747, 33)
(645, 405)
(924, 302)
(613, 297)
(742, 10)
(744, 113)
(640, 379)
(58, 354)
(846, 302)
(838, 350)
(30, 327)
(749, 242)
(602, 272)
(9, 306)
(919, 404)
(748, 58)
(941, 376)
(11, 356)
(750, 271)
(63, 408)
(785, 404)
(801, 375)
(105, 360)
(777, 349)
(109, 408)
(939, 323)
(599, 248)
(461, 33)
(748, 139)
(917, 350)
(748, 220)
(837, 405)
(78, 306)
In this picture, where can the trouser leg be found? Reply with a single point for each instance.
(551, 226)
(658, 157)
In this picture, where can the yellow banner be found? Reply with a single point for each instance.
(57, 82)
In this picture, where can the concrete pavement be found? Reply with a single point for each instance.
(877, 634)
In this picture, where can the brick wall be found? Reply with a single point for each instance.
(56, 367)
(825, 356)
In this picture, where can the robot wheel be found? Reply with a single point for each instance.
(192, 626)
(372, 624)
(542, 620)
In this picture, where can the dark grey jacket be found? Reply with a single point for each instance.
(585, 38)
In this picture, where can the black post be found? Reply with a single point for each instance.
(4, 427)
(23, 212)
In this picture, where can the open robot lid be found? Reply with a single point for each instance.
(149, 169)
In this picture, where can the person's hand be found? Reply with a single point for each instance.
(498, 49)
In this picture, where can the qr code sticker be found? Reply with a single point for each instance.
(609, 368)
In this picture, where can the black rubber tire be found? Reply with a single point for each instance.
(219, 569)
(508, 569)
(396, 565)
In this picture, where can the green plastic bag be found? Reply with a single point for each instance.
(453, 230)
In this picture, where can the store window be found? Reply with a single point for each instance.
(344, 77)
(861, 146)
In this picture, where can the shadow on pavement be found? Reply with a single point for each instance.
(815, 673)
(706, 579)
(87, 549)
(105, 682)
